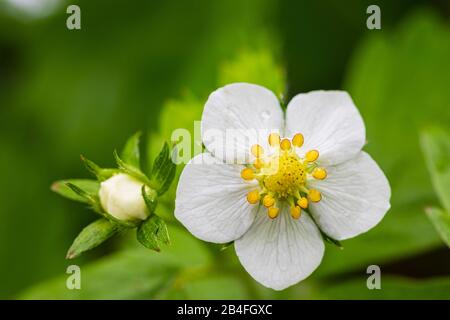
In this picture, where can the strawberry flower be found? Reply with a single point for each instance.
(275, 183)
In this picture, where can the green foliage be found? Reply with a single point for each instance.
(398, 80)
(195, 281)
(436, 149)
(394, 110)
(92, 236)
(134, 273)
(389, 80)
(257, 66)
(441, 221)
(62, 95)
(152, 233)
(188, 109)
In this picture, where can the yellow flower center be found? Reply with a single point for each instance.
(288, 174)
(283, 175)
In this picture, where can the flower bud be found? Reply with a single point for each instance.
(121, 197)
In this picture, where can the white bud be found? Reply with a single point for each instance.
(121, 197)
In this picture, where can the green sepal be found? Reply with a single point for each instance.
(163, 170)
(86, 191)
(225, 246)
(152, 233)
(325, 237)
(131, 170)
(61, 188)
(101, 173)
(122, 223)
(130, 153)
(91, 236)
(90, 198)
(328, 239)
(150, 197)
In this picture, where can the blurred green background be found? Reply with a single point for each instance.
(150, 65)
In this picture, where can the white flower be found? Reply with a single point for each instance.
(121, 197)
(308, 173)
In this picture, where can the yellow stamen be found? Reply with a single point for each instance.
(273, 212)
(297, 140)
(314, 195)
(312, 155)
(303, 202)
(257, 150)
(268, 201)
(319, 173)
(285, 144)
(258, 163)
(296, 212)
(253, 197)
(247, 174)
(283, 175)
(274, 139)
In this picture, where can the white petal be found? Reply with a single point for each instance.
(211, 200)
(280, 252)
(355, 197)
(236, 117)
(329, 122)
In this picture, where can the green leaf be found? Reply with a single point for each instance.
(91, 236)
(435, 144)
(138, 272)
(89, 186)
(441, 221)
(131, 170)
(163, 170)
(150, 197)
(130, 153)
(100, 173)
(152, 233)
